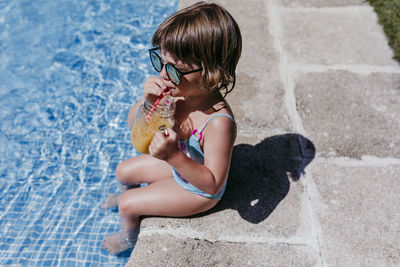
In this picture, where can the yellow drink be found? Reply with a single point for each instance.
(143, 130)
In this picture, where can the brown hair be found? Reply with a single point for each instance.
(206, 35)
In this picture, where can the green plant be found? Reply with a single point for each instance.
(389, 17)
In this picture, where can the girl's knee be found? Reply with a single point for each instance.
(123, 173)
(120, 173)
(126, 206)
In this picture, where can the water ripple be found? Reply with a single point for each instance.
(70, 71)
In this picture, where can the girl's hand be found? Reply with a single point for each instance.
(164, 145)
(154, 86)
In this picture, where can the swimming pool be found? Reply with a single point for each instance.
(69, 71)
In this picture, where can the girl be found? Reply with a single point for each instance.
(196, 52)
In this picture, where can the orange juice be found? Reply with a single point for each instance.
(143, 130)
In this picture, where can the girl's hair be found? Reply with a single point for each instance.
(206, 35)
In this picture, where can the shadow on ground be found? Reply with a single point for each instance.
(259, 175)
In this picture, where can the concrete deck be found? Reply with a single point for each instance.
(318, 92)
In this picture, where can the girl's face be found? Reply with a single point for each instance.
(191, 84)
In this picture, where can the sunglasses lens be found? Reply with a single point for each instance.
(156, 61)
(174, 74)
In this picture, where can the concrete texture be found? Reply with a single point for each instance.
(313, 180)
(258, 76)
(350, 114)
(333, 40)
(321, 3)
(194, 252)
(358, 211)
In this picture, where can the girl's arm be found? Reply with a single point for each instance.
(219, 137)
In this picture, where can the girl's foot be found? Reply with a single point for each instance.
(111, 201)
(117, 243)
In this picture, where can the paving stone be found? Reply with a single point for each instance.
(322, 3)
(359, 213)
(344, 36)
(258, 97)
(348, 114)
(161, 250)
(265, 217)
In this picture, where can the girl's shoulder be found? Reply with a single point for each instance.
(220, 124)
(220, 110)
(222, 107)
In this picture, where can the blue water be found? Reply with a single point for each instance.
(69, 71)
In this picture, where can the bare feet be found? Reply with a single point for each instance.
(116, 243)
(111, 201)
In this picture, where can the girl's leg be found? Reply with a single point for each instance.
(161, 198)
(140, 169)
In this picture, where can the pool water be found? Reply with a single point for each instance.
(69, 71)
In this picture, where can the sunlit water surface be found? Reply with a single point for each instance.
(69, 71)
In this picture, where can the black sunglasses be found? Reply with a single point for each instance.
(173, 73)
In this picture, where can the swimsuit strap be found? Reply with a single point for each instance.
(200, 130)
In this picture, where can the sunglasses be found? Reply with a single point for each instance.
(174, 75)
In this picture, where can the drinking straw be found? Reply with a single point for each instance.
(155, 105)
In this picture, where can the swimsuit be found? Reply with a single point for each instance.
(191, 148)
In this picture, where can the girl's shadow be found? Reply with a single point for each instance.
(259, 175)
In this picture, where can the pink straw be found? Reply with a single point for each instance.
(155, 105)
